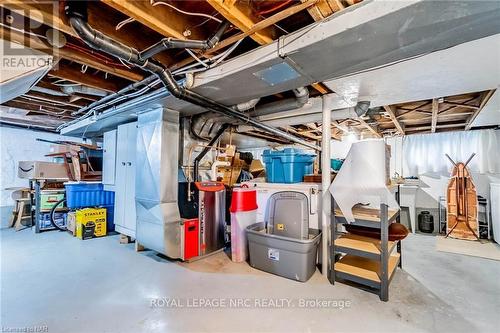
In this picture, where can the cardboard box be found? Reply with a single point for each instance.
(41, 170)
(90, 223)
(71, 223)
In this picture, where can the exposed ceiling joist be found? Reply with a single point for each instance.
(267, 22)
(343, 128)
(52, 15)
(324, 8)
(485, 98)
(74, 75)
(473, 107)
(24, 105)
(443, 126)
(435, 112)
(55, 99)
(369, 127)
(68, 53)
(242, 18)
(292, 130)
(160, 18)
(42, 12)
(392, 114)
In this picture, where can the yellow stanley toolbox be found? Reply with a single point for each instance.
(90, 223)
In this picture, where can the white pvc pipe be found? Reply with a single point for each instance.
(326, 211)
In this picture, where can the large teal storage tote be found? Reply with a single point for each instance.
(288, 165)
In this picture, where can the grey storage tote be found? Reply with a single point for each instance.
(284, 256)
(288, 215)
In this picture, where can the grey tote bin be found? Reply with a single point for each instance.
(284, 256)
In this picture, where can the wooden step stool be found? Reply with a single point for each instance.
(22, 211)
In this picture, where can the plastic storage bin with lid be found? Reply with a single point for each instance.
(288, 165)
(285, 245)
(243, 213)
(87, 194)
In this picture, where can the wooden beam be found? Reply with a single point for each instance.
(367, 126)
(320, 87)
(435, 112)
(267, 22)
(324, 8)
(69, 54)
(42, 12)
(257, 27)
(242, 18)
(336, 124)
(392, 114)
(62, 100)
(484, 100)
(160, 18)
(467, 106)
(45, 104)
(74, 75)
(56, 112)
(444, 126)
(52, 15)
(292, 130)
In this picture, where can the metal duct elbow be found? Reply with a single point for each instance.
(301, 98)
(246, 105)
(302, 95)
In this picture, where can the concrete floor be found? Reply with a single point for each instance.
(99, 285)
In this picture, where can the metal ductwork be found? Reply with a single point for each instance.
(246, 105)
(172, 43)
(112, 98)
(301, 98)
(84, 90)
(156, 187)
(77, 13)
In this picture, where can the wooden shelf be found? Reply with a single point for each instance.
(361, 244)
(368, 214)
(364, 268)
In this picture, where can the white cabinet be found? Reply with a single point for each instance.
(125, 217)
(109, 159)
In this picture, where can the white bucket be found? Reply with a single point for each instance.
(239, 244)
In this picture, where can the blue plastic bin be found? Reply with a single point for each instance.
(288, 165)
(110, 218)
(336, 164)
(79, 195)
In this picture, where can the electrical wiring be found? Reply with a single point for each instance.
(124, 64)
(219, 59)
(201, 62)
(122, 23)
(156, 3)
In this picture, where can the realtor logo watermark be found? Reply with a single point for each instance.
(30, 40)
(25, 329)
(249, 303)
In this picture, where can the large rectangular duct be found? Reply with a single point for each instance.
(158, 214)
(368, 36)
